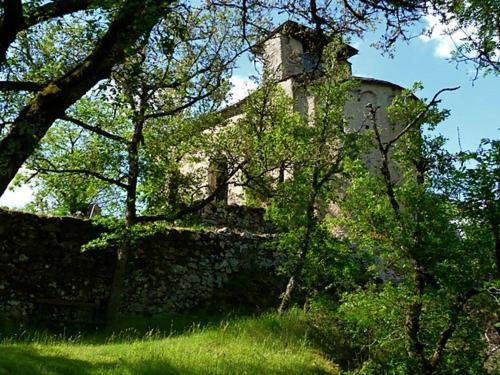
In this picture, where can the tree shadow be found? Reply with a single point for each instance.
(15, 360)
(160, 367)
(128, 328)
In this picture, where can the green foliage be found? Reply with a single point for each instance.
(428, 250)
(153, 109)
(332, 267)
(67, 149)
(322, 146)
(116, 232)
(474, 20)
(364, 332)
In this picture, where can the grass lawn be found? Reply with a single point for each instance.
(267, 344)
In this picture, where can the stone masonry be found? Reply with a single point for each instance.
(171, 271)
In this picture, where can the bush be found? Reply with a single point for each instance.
(365, 334)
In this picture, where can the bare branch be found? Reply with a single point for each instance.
(182, 107)
(415, 121)
(351, 10)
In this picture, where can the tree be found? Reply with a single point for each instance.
(478, 30)
(39, 103)
(477, 189)
(58, 94)
(436, 261)
(322, 144)
(290, 163)
(157, 92)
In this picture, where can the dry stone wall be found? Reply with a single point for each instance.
(237, 217)
(170, 271)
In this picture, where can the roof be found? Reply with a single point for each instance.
(236, 108)
(304, 34)
(378, 81)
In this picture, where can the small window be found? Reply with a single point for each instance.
(311, 62)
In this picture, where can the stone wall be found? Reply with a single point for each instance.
(170, 271)
(236, 217)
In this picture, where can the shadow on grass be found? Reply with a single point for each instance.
(167, 325)
(162, 368)
(32, 354)
(126, 328)
(291, 326)
(15, 360)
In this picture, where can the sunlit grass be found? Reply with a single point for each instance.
(267, 344)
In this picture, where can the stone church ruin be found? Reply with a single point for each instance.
(289, 53)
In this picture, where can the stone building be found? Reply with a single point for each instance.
(290, 52)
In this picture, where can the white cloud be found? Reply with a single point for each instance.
(447, 38)
(17, 198)
(241, 87)
(443, 36)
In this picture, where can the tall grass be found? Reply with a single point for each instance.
(266, 344)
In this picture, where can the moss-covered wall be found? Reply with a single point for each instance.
(174, 270)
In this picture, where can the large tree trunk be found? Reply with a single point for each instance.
(132, 21)
(13, 20)
(116, 290)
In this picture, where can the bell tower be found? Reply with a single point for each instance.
(293, 49)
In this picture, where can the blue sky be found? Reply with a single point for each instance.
(475, 107)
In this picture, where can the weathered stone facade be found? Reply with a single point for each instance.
(171, 271)
(289, 54)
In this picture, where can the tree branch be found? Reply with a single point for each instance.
(94, 129)
(384, 168)
(195, 206)
(181, 107)
(13, 20)
(452, 326)
(20, 86)
(85, 172)
(54, 9)
(133, 19)
(10, 24)
(412, 123)
(358, 16)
